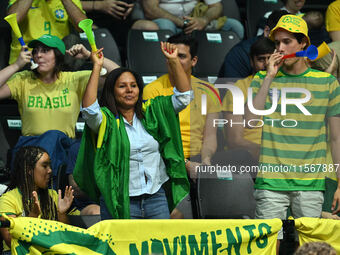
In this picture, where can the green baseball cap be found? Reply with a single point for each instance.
(50, 41)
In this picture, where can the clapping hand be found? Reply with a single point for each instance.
(35, 207)
(332, 67)
(65, 203)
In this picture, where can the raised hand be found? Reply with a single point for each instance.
(274, 63)
(65, 203)
(98, 57)
(24, 57)
(35, 208)
(79, 51)
(332, 67)
(169, 50)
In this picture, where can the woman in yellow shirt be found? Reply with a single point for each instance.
(28, 194)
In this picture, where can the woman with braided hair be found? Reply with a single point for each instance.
(28, 193)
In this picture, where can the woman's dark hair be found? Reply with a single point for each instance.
(23, 179)
(59, 60)
(108, 99)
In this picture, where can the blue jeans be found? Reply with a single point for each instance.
(230, 25)
(146, 206)
(235, 26)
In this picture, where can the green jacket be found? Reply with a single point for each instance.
(102, 166)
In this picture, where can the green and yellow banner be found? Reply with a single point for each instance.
(319, 230)
(137, 237)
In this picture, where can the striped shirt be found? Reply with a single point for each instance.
(293, 146)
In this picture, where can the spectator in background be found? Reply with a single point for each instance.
(116, 16)
(28, 194)
(197, 130)
(315, 248)
(314, 19)
(36, 18)
(237, 136)
(333, 20)
(331, 62)
(291, 6)
(316, 27)
(48, 99)
(187, 16)
(237, 63)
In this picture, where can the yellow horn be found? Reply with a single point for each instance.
(323, 50)
(12, 21)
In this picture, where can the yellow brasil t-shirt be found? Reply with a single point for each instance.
(11, 204)
(45, 107)
(43, 17)
(191, 120)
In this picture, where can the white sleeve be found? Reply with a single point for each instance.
(180, 100)
(209, 2)
(92, 116)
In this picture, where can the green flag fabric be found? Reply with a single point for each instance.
(102, 167)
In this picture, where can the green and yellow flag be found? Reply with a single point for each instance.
(137, 237)
(36, 236)
(319, 230)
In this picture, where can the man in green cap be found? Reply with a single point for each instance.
(292, 163)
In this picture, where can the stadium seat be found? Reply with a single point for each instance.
(255, 10)
(320, 5)
(10, 121)
(105, 40)
(144, 54)
(231, 10)
(216, 191)
(212, 48)
(11, 130)
(83, 221)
